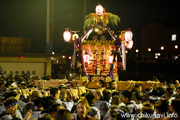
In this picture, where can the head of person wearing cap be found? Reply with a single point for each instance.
(11, 108)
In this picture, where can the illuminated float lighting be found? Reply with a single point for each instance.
(86, 58)
(99, 10)
(53, 53)
(110, 59)
(70, 57)
(176, 46)
(96, 29)
(149, 49)
(67, 35)
(63, 56)
(75, 36)
(162, 47)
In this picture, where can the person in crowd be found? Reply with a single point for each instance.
(69, 85)
(103, 104)
(127, 99)
(162, 108)
(46, 103)
(169, 94)
(147, 109)
(20, 103)
(138, 88)
(55, 93)
(82, 110)
(94, 111)
(138, 100)
(38, 108)
(62, 88)
(53, 110)
(63, 114)
(113, 86)
(66, 104)
(11, 110)
(114, 110)
(2, 87)
(30, 105)
(45, 116)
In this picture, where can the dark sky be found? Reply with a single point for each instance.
(27, 18)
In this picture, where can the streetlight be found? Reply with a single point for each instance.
(162, 47)
(176, 46)
(149, 49)
(137, 50)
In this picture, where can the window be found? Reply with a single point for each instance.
(173, 37)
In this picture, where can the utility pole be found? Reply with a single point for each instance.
(49, 45)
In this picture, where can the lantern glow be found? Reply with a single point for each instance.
(99, 9)
(176, 46)
(129, 44)
(128, 35)
(67, 36)
(137, 50)
(110, 59)
(149, 49)
(162, 47)
(86, 58)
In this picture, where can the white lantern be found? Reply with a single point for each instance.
(67, 36)
(129, 44)
(99, 9)
(128, 35)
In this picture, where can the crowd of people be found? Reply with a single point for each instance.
(21, 100)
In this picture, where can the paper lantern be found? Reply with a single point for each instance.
(128, 35)
(99, 9)
(67, 36)
(129, 44)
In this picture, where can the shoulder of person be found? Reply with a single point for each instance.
(90, 118)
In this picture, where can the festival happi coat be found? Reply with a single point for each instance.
(96, 53)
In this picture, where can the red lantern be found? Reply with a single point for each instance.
(67, 36)
(99, 9)
(128, 35)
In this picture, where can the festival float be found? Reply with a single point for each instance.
(99, 52)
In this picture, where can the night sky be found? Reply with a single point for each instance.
(27, 18)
